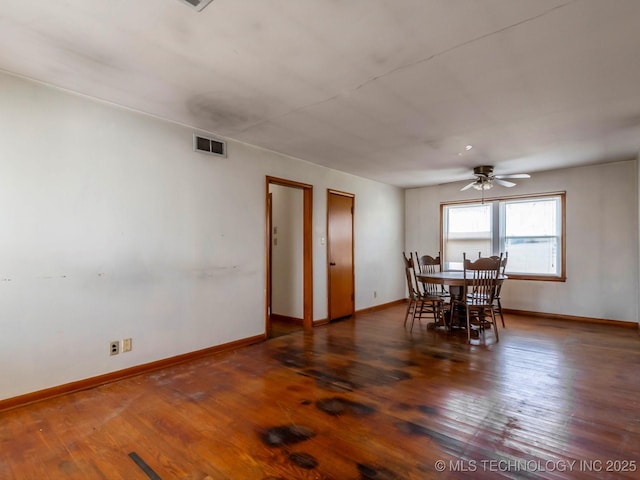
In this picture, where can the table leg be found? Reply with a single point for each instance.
(457, 316)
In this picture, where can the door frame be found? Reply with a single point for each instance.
(307, 254)
(330, 192)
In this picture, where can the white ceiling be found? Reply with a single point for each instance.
(392, 90)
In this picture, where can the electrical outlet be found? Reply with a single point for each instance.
(126, 345)
(114, 348)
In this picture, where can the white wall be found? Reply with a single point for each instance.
(287, 252)
(112, 227)
(602, 239)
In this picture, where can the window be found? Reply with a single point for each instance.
(529, 228)
(469, 230)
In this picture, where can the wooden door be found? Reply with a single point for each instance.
(340, 254)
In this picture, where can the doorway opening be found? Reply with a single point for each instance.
(289, 276)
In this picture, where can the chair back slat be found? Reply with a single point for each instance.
(503, 268)
(481, 278)
(410, 273)
(428, 264)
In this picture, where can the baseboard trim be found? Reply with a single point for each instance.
(574, 318)
(287, 319)
(383, 306)
(92, 382)
(375, 308)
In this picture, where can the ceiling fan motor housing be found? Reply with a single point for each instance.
(483, 170)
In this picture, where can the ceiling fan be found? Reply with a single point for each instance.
(485, 178)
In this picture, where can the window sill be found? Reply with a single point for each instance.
(536, 278)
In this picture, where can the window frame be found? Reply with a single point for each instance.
(498, 228)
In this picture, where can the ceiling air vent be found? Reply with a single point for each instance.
(209, 145)
(197, 4)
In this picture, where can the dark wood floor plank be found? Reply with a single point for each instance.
(357, 399)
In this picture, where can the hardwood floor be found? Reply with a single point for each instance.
(281, 327)
(359, 399)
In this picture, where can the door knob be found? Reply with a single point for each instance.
(332, 264)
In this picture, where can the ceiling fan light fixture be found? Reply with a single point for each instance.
(483, 184)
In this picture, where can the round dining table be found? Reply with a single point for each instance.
(454, 279)
(451, 278)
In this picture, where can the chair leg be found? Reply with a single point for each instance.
(500, 312)
(417, 311)
(495, 325)
(406, 315)
(468, 325)
(413, 317)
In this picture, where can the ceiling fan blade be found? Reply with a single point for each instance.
(466, 187)
(504, 183)
(514, 175)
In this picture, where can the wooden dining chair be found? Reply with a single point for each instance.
(427, 264)
(497, 305)
(481, 281)
(415, 298)
(433, 295)
(420, 305)
(496, 298)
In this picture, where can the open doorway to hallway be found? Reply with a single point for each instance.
(289, 275)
